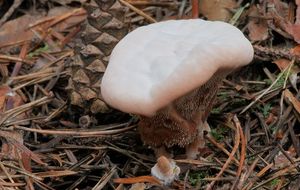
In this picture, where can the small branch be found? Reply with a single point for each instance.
(243, 154)
(138, 11)
(77, 133)
(195, 8)
(231, 156)
(140, 179)
(6, 58)
(23, 54)
(10, 11)
(221, 147)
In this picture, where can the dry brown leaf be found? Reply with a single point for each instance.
(26, 160)
(3, 93)
(20, 29)
(12, 143)
(258, 28)
(271, 118)
(295, 51)
(282, 63)
(15, 31)
(9, 151)
(279, 12)
(65, 18)
(294, 28)
(217, 9)
(8, 100)
(281, 160)
(7, 148)
(293, 76)
(297, 12)
(281, 7)
(292, 99)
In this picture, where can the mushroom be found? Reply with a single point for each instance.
(165, 170)
(169, 74)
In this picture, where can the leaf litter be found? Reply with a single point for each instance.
(256, 119)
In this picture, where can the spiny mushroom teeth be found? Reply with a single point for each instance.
(160, 130)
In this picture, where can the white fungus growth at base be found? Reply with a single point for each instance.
(165, 170)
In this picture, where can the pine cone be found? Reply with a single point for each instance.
(104, 28)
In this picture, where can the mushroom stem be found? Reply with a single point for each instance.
(161, 151)
(193, 149)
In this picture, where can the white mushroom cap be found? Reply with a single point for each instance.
(158, 63)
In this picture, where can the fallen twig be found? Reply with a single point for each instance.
(231, 156)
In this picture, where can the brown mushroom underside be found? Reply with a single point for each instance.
(177, 123)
